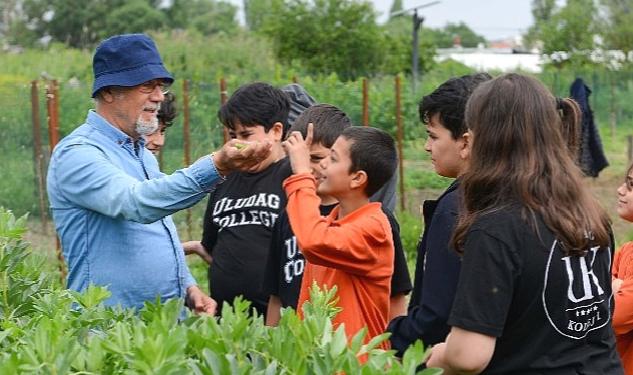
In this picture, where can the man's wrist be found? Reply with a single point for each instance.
(222, 170)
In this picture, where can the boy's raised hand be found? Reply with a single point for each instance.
(298, 150)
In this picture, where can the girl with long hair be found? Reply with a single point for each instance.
(534, 294)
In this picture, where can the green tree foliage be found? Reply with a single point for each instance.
(206, 16)
(77, 23)
(257, 12)
(136, 16)
(83, 23)
(396, 6)
(399, 49)
(542, 11)
(569, 28)
(327, 36)
(446, 36)
(616, 24)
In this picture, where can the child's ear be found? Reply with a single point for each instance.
(278, 131)
(359, 180)
(467, 142)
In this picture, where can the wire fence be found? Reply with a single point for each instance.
(36, 114)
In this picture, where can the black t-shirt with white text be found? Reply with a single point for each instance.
(285, 265)
(238, 225)
(551, 313)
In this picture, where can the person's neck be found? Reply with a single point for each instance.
(277, 153)
(351, 203)
(113, 120)
(328, 200)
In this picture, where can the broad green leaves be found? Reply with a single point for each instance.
(46, 329)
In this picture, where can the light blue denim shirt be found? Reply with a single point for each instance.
(111, 207)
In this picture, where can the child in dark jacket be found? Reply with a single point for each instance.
(438, 265)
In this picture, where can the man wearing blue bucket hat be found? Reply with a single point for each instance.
(111, 204)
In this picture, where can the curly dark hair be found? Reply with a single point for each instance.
(168, 112)
(449, 102)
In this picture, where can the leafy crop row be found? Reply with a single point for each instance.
(49, 330)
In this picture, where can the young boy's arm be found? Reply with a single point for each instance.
(401, 280)
(349, 247)
(346, 247)
(271, 283)
(623, 314)
(273, 312)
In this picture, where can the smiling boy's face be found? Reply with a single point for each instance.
(448, 155)
(336, 178)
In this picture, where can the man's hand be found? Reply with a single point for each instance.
(200, 303)
(298, 150)
(242, 156)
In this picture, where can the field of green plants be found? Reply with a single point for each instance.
(46, 329)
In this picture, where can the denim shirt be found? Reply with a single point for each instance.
(112, 205)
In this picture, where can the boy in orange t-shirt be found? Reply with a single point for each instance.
(352, 247)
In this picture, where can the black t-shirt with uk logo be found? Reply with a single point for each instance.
(550, 312)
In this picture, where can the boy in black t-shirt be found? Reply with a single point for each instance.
(242, 210)
(285, 266)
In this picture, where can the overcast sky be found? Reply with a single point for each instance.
(493, 19)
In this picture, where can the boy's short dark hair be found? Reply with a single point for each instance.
(167, 112)
(328, 121)
(255, 104)
(372, 150)
(449, 102)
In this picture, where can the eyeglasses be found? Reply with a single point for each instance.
(628, 181)
(149, 86)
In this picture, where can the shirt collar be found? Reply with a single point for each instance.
(110, 131)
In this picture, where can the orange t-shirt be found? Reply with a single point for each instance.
(354, 253)
(623, 315)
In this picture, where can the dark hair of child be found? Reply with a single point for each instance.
(449, 101)
(255, 104)
(372, 150)
(167, 112)
(328, 121)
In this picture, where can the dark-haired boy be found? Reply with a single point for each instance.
(242, 210)
(285, 265)
(166, 115)
(437, 266)
(352, 248)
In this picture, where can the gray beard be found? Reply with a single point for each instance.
(146, 127)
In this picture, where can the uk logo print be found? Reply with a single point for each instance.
(577, 303)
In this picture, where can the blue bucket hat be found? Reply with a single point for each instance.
(127, 60)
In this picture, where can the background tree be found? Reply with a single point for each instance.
(542, 11)
(396, 6)
(327, 36)
(616, 24)
(446, 36)
(398, 48)
(206, 16)
(258, 12)
(136, 16)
